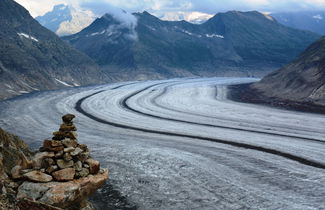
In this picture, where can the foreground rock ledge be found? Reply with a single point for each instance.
(63, 194)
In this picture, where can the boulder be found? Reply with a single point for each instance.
(63, 194)
(94, 166)
(69, 143)
(64, 164)
(66, 174)
(37, 176)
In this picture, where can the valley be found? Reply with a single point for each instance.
(181, 143)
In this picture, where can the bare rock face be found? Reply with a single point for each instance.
(63, 194)
(64, 174)
(37, 176)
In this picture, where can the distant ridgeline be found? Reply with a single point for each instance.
(228, 42)
(138, 46)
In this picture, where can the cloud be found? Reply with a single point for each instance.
(99, 7)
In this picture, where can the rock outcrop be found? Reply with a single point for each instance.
(61, 175)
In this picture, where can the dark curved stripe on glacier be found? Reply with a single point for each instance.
(125, 105)
(154, 102)
(289, 156)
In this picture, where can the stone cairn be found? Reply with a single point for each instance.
(61, 158)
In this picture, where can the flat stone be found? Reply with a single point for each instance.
(68, 118)
(58, 135)
(55, 149)
(70, 143)
(37, 176)
(82, 173)
(66, 195)
(94, 166)
(66, 174)
(67, 127)
(78, 166)
(69, 149)
(71, 135)
(67, 157)
(77, 151)
(64, 164)
(51, 143)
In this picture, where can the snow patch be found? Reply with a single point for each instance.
(318, 17)
(63, 83)
(187, 32)
(98, 33)
(268, 17)
(214, 36)
(27, 36)
(23, 91)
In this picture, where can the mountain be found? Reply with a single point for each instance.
(303, 80)
(34, 58)
(305, 20)
(192, 17)
(226, 44)
(66, 20)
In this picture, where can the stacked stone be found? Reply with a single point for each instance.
(62, 158)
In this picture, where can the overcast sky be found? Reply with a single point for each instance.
(39, 7)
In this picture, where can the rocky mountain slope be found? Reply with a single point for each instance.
(302, 80)
(228, 42)
(300, 85)
(305, 20)
(66, 20)
(34, 58)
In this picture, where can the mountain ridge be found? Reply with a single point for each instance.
(34, 58)
(220, 45)
(299, 85)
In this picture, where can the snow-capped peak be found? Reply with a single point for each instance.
(193, 17)
(66, 20)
